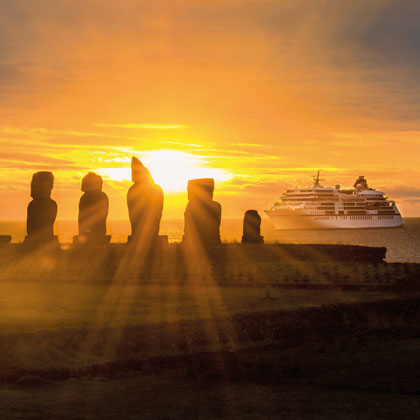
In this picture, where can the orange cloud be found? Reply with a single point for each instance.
(266, 91)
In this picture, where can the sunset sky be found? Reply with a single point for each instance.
(258, 94)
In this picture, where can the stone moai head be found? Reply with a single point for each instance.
(139, 173)
(200, 189)
(42, 184)
(252, 221)
(253, 217)
(92, 183)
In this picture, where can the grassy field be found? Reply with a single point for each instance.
(244, 333)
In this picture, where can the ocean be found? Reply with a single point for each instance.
(403, 243)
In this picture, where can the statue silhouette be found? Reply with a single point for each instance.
(42, 210)
(93, 208)
(203, 215)
(145, 205)
(5, 239)
(252, 228)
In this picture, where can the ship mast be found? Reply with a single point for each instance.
(317, 179)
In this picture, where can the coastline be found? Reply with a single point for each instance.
(401, 243)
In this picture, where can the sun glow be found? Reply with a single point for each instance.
(170, 169)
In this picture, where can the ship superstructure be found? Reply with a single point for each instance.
(326, 207)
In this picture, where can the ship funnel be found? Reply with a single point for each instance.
(361, 183)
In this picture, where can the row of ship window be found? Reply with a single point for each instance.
(317, 199)
(352, 217)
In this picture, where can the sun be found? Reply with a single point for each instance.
(171, 169)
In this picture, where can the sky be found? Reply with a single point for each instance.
(259, 94)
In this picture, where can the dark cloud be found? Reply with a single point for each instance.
(388, 34)
(402, 191)
(387, 29)
(374, 47)
(313, 61)
(9, 75)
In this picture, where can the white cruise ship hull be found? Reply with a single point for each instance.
(335, 221)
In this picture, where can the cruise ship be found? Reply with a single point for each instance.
(334, 208)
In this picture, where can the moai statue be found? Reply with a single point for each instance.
(93, 210)
(5, 239)
(145, 205)
(203, 215)
(252, 228)
(42, 210)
